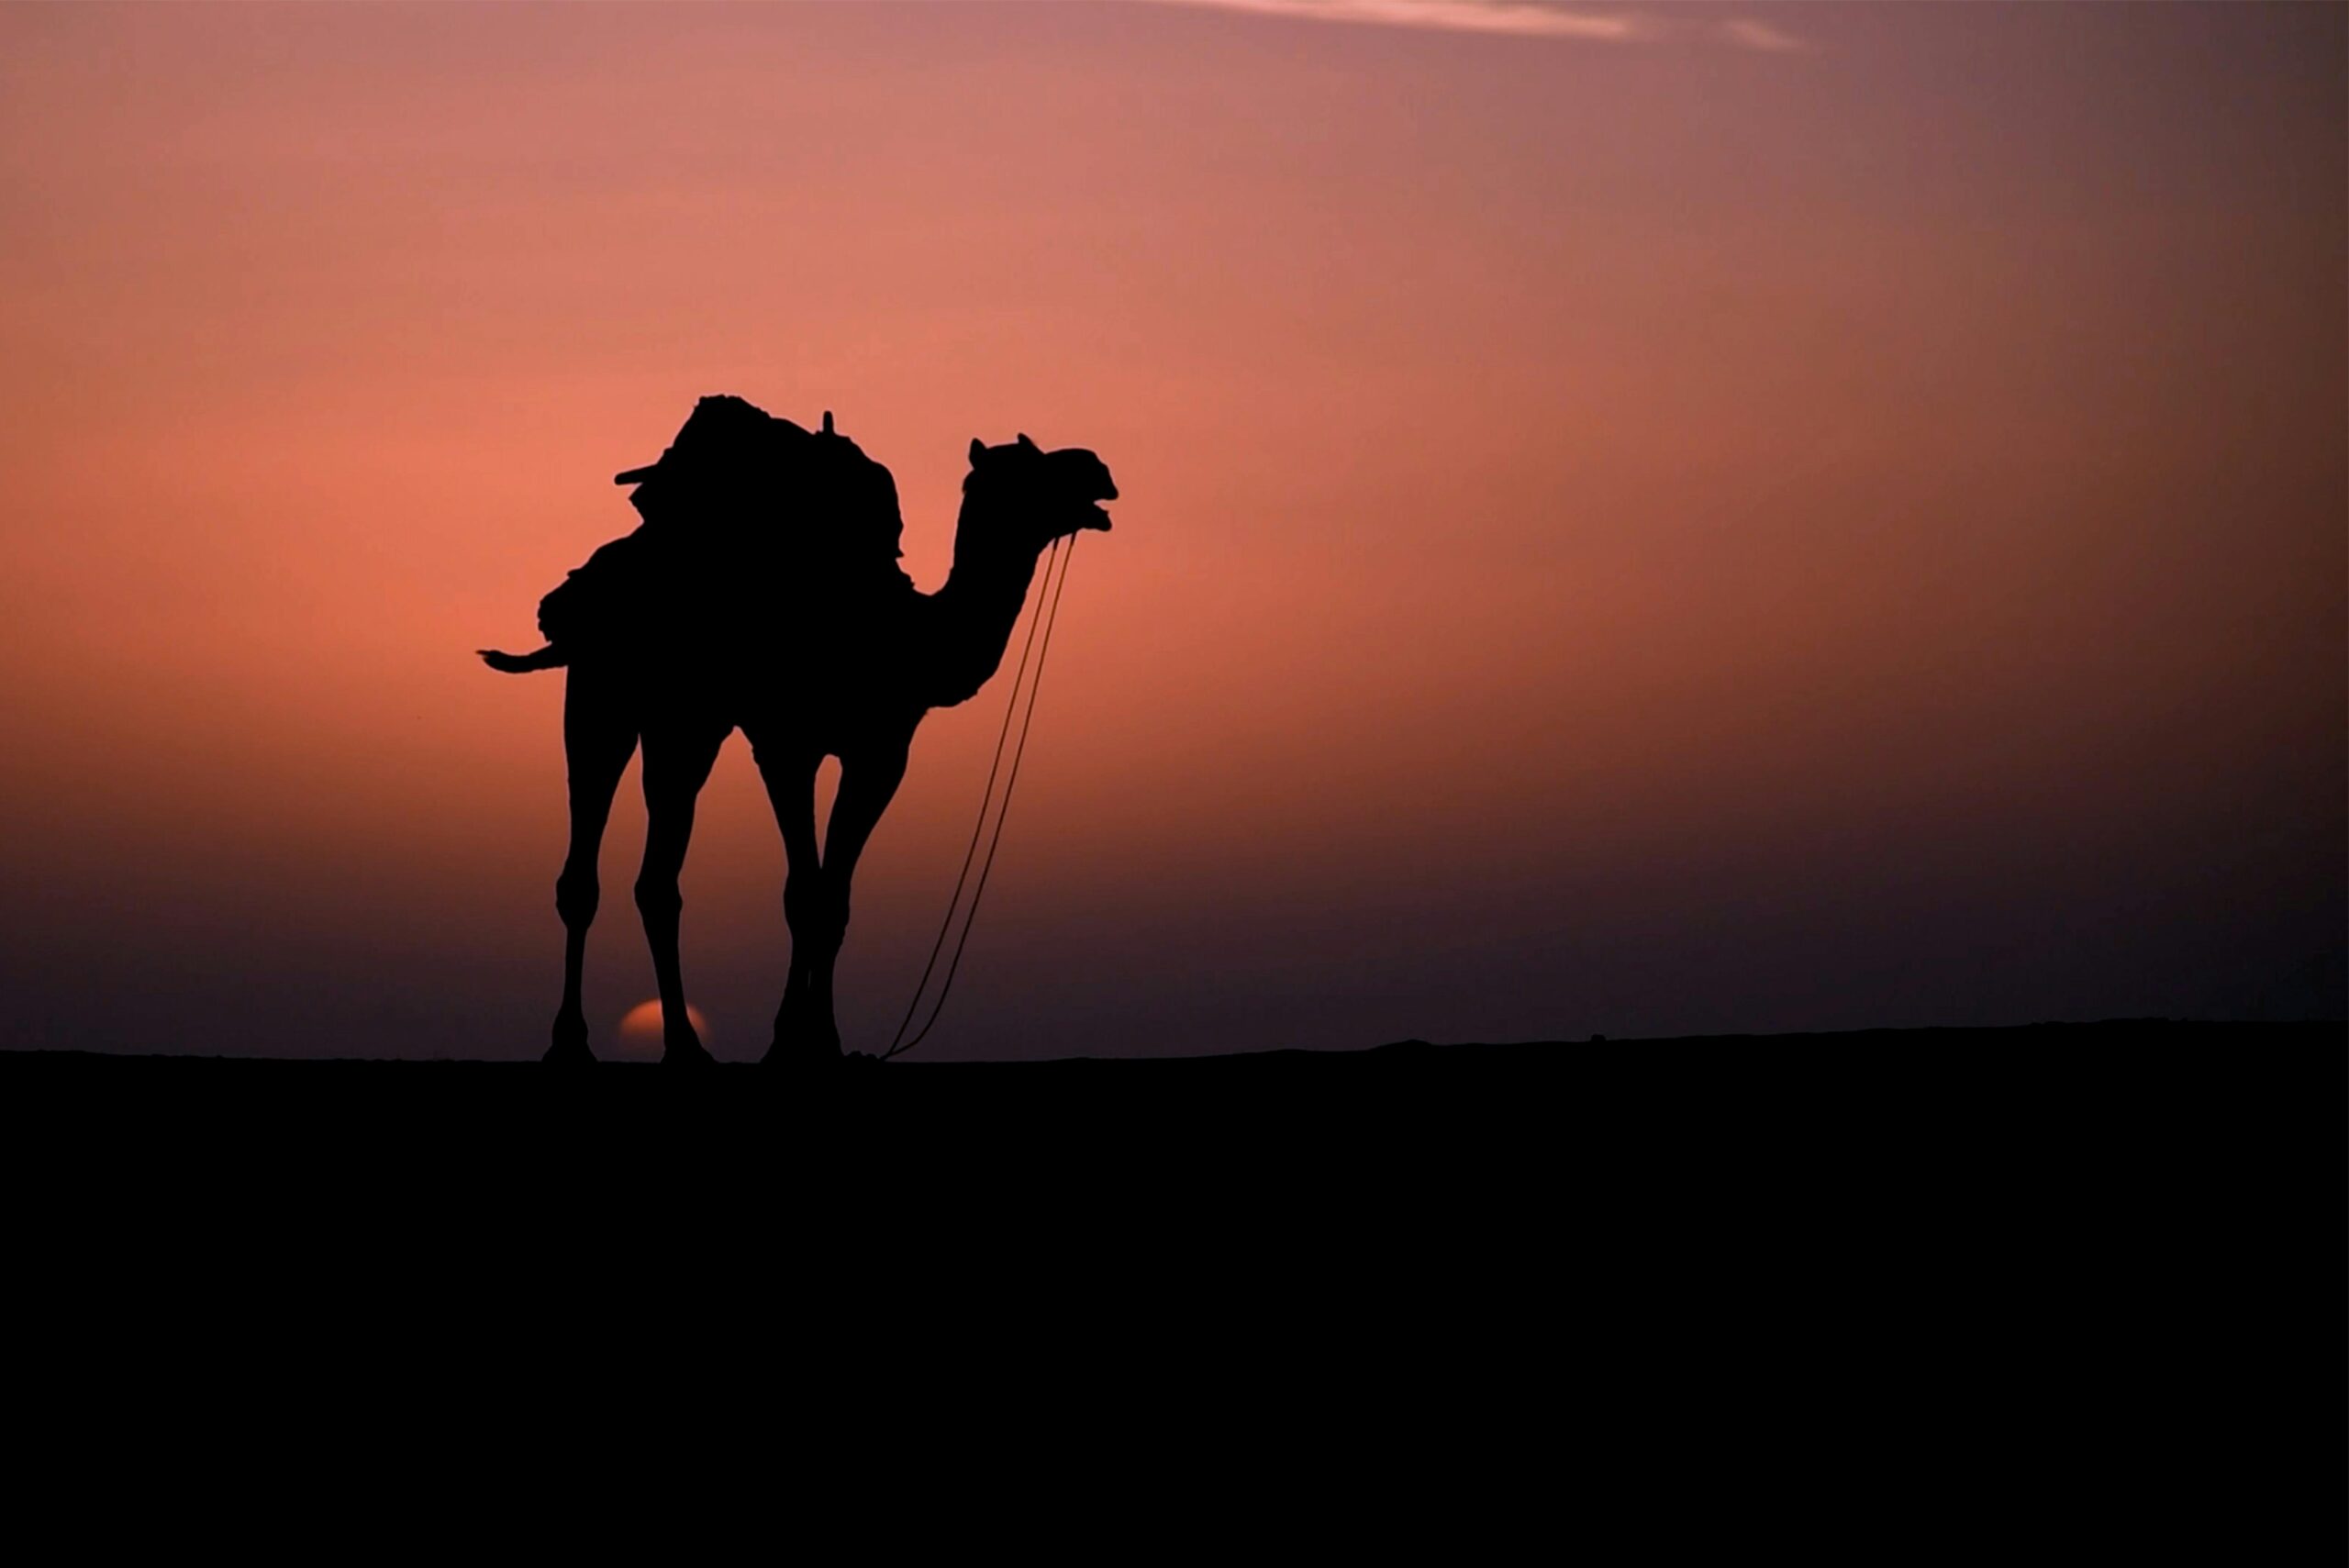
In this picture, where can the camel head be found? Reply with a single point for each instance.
(1024, 495)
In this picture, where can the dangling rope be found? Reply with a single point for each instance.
(1048, 611)
(986, 796)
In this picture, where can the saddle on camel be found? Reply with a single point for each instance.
(745, 515)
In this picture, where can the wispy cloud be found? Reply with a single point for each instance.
(1524, 17)
(1521, 18)
(1764, 37)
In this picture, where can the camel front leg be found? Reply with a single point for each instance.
(868, 781)
(676, 764)
(789, 773)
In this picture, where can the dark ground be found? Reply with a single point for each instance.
(2136, 1113)
(2060, 1290)
(1780, 1098)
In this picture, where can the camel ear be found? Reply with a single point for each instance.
(1026, 442)
(978, 451)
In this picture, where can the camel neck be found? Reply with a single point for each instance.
(976, 608)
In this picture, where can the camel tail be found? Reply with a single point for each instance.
(547, 658)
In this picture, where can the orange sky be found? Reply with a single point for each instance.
(1835, 525)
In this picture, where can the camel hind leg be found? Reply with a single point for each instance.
(599, 725)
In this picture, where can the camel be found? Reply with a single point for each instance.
(721, 644)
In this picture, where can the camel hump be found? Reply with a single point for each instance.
(745, 513)
(836, 511)
(815, 500)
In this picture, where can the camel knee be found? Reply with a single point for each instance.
(576, 895)
(802, 901)
(816, 908)
(658, 898)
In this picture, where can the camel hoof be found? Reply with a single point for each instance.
(801, 1038)
(802, 1048)
(685, 1052)
(570, 1042)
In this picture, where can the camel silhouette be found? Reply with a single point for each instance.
(753, 598)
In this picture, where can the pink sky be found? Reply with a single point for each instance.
(1764, 518)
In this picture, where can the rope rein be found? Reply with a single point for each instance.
(1048, 611)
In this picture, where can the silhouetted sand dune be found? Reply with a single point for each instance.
(1912, 1261)
(1881, 1095)
(23, 1069)
(2055, 1160)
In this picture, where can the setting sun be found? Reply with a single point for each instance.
(640, 1030)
